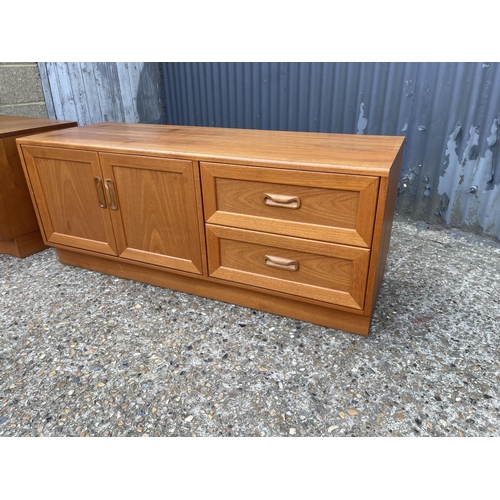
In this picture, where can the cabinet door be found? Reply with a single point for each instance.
(154, 211)
(70, 203)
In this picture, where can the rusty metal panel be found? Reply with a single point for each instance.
(448, 112)
(92, 92)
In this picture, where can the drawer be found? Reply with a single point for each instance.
(337, 208)
(336, 274)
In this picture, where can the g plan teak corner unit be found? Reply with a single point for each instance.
(19, 231)
(296, 224)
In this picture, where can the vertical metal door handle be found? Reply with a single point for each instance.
(281, 200)
(100, 192)
(281, 263)
(110, 190)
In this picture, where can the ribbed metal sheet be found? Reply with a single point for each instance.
(449, 113)
(89, 92)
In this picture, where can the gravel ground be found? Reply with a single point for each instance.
(86, 354)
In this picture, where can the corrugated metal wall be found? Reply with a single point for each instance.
(89, 92)
(449, 113)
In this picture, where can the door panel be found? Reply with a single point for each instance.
(155, 218)
(63, 182)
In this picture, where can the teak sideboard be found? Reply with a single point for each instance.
(19, 232)
(296, 224)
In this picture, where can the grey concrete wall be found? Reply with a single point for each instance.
(21, 90)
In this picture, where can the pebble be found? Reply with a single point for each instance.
(78, 358)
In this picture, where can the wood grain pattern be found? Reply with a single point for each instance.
(195, 211)
(201, 217)
(261, 300)
(383, 229)
(333, 207)
(157, 219)
(14, 194)
(20, 126)
(24, 245)
(326, 272)
(18, 223)
(63, 185)
(342, 153)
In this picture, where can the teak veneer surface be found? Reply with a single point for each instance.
(324, 271)
(359, 154)
(19, 231)
(156, 218)
(334, 207)
(224, 291)
(292, 223)
(21, 125)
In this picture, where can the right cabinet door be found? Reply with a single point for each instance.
(154, 211)
(67, 185)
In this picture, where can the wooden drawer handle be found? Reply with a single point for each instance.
(100, 192)
(110, 190)
(281, 200)
(280, 263)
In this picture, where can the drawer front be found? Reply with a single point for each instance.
(336, 208)
(326, 272)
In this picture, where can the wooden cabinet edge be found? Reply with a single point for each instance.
(24, 245)
(206, 278)
(201, 215)
(330, 315)
(386, 206)
(29, 132)
(32, 195)
(21, 239)
(222, 291)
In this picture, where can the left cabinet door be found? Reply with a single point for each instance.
(68, 190)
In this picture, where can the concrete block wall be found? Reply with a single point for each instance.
(21, 91)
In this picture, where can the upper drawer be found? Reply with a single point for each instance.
(336, 208)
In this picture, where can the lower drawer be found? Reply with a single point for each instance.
(326, 272)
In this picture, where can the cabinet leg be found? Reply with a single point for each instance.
(224, 292)
(23, 246)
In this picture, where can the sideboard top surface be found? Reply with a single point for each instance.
(358, 154)
(13, 125)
